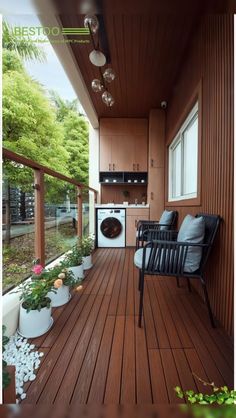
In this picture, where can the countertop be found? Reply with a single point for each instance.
(120, 205)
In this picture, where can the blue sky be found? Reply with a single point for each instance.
(51, 73)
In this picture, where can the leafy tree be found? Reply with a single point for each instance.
(63, 107)
(25, 47)
(76, 134)
(76, 143)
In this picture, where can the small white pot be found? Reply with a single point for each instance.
(61, 296)
(87, 262)
(78, 271)
(34, 323)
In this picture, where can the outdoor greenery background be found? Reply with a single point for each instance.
(40, 125)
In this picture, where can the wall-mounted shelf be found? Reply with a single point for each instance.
(123, 178)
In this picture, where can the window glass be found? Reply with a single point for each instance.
(183, 159)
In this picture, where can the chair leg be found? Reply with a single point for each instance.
(189, 285)
(207, 302)
(141, 299)
(177, 281)
(139, 280)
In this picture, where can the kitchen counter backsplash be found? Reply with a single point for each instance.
(120, 205)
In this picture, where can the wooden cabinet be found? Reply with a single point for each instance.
(123, 145)
(156, 183)
(132, 218)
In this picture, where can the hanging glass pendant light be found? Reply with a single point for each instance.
(109, 75)
(107, 98)
(97, 85)
(92, 22)
(97, 58)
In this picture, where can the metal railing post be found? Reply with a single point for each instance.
(39, 216)
(80, 212)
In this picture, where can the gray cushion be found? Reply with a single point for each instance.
(138, 257)
(166, 219)
(192, 230)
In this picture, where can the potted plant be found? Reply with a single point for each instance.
(61, 279)
(74, 262)
(87, 246)
(35, 310)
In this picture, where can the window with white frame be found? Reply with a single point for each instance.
(183, 160)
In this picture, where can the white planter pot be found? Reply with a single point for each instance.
(61, 296)
(78, 271)
(34, 323)
(87, 262)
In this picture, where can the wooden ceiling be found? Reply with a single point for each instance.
(147, 48)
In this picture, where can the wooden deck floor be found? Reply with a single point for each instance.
(95, 352)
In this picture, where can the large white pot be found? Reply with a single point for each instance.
(60, 296)
(78, 271)
(87, 262)
(34, 323)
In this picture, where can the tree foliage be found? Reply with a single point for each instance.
(30, 127)
(25, 47)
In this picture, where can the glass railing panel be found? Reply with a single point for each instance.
(60, 217)
(18, 223)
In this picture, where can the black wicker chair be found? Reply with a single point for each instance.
(164, 256)
(143, 226)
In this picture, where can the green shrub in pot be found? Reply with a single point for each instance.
(87, 246)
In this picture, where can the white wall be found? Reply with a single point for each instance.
(93, 173)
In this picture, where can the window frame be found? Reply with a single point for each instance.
(179, 139)
(196, 97)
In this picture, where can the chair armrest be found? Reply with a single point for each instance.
(166, 257)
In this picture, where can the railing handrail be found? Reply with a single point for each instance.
(10, 155)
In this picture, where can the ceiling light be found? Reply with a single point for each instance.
(91, 22)
(107, 98)
(97, 58)
(109, 75)
(97, 85)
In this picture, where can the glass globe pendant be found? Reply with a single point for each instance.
(109, 75)
(107, 98)
(97, 58)
(97, 85)
(92, 22)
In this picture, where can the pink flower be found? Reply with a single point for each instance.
(37, 269)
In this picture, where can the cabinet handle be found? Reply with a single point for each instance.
(137, 167)
(133, 167)
(152, 195)
(113, 167)
(152, 162)
(136, 223)
(109, 167)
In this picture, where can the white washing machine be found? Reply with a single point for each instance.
(111, 227)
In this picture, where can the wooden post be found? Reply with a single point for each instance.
(39, 216)
(80, 212)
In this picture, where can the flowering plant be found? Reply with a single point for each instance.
(59, 276)
(73, 258)
(87, 245)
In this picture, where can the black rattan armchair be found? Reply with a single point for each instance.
(164, 256)
(143, 226)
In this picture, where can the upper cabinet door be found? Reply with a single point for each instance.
(156, 138)
(105, 153)
(122, 153)
(141, 146)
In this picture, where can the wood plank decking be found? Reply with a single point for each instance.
(95, 352)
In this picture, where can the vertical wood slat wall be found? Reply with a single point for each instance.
(210, 59)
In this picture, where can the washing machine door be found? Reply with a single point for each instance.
(111, 227)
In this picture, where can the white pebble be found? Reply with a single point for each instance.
(41, 354)
(32, 377)
(23, 396)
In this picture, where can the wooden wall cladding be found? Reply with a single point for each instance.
(115, 193)
(210, 59)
